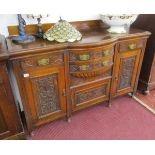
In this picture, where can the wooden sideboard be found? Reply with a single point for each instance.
(10, 123)
(55, 80)
(147, 75)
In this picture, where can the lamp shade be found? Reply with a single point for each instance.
(62, 31)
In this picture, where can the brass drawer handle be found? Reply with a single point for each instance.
(84, 57)
(105, 53)
(84, 67)
(131, 46)
(43, 62)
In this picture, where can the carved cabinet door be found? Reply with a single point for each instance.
(45, 90)
(126, 72)
(9, 118)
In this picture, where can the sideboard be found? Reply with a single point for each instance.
(10, 123)
(57, 79)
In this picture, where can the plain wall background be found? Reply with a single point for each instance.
(11, 19)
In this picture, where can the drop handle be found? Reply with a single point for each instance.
(64, 92)
(116, 78)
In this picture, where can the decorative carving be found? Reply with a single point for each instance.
(27, 63)
(52, 60)
(126, 72)
(77, 81)
(89, 67)
(48, 94)
(90, 94)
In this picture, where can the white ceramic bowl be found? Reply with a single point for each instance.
(118, 23)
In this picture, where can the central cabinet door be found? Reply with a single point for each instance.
(46, 94)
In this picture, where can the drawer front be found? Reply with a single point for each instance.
(40, 61)
(88, 95)
(90, 65)
(131, 45)
(91, 53)
(91, 62)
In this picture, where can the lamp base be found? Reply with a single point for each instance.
(39, 35)
(23, 39)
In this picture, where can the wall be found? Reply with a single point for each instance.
(11, 19)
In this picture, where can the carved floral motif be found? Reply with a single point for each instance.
(53, 59)
(127, 72)
(86, 96)
(77, 81)
(48, 94)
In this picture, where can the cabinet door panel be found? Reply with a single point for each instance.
(126, 71)
(88, 95)
(45, 90)
(9, 118)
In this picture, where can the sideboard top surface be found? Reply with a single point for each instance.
(93, 35)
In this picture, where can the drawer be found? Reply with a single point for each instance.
(91, 53)
(39, 61)
(87, 95)
(131, 45)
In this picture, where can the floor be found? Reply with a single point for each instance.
(126, 119)
(148, 100)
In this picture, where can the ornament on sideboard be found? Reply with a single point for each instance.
(40, 32)
(23, 37)
(119, 23)
(62, 31)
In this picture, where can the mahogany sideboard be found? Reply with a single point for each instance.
(147, 75)
(10, 123)
(57, 79)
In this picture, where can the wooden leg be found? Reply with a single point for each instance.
(68, 119)
(131, 94)
(32, 134)
(146, 92)
(109, 103)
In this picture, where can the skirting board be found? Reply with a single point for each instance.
(144, 104)
(19, 136)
